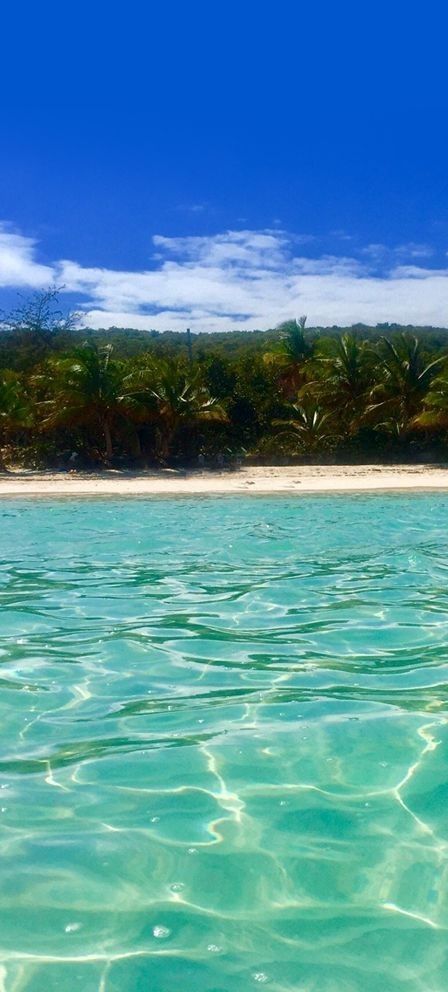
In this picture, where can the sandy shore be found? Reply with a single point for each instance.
(292, 479)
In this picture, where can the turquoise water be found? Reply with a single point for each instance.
(223, 744)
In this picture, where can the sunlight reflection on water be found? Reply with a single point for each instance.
(223, 744)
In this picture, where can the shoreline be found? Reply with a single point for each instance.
(251, 480)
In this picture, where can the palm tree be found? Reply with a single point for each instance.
(15, 410)
(290, 354)
(309, 426)
(174, 395)
(405, 377)
(343, 379)
(435, 410)
(88, 389)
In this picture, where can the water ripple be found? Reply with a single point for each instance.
(223, 753)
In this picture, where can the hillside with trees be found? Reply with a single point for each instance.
(72, 397)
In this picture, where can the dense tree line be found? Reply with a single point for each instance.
(85, 398)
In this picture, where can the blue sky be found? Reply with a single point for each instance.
(227, 165)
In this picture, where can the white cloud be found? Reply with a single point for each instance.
(253, 249)
(375, 250)
(239, 279)
(17, 264)
(193, 208)
(415, 250)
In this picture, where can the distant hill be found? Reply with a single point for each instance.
(128, 342)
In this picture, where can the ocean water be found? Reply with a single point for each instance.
(223, 744)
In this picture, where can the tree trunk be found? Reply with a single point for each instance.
(166, 431)
(2, 460)
(137, 445)
(108, 439)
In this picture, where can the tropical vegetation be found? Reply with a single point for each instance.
(72, 397)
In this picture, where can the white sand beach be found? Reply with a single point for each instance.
(266, 479)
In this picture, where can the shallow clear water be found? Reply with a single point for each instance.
(223, 744)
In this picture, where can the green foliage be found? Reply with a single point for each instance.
(86, 389)
(176, 397)
(405, 376)
(81, 397)
(289, 355)
(310, 427)
(15, 408)
(344, 370)
(434, 415)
